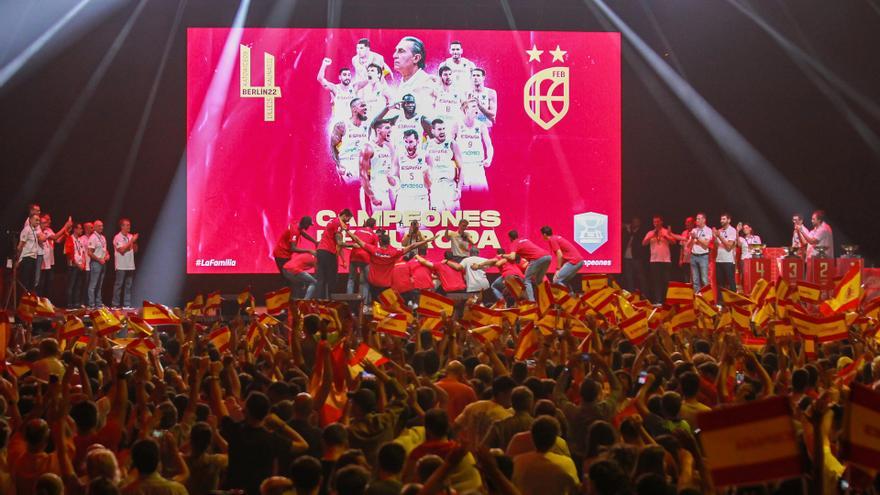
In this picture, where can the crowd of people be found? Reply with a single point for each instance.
(86, 255)
(480, 396)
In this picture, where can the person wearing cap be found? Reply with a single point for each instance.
(372, 422)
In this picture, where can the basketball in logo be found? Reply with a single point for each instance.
(545, 96)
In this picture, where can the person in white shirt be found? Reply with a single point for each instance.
(460, 67)
(725, 256)
(49, 251)
(409, 61)
(698, 244)
(29, 253)
(364, 57)
(659, 240)
(820, 237)
(747, 238)
(77, 261)
(98, 257)
(88, 229)
(474, 271)
(124, 247)
(797, 222)
(486, 98)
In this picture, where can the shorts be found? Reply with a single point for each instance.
(406, 202)
(473, 177)
(443, 197)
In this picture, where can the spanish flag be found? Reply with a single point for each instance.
(195, 307)
(759, 287)
(394, 324)
(277, 301)
(636, 328)
(432, 324)
(245, 297)
(782, 328)
(516, 286)
(708, 294)
(563, 299)
(361, 354)
(730, 297)
(862, 415)
(252, 336)
(481, 316)
(139, 325)
(705, 307)
(846, 294)
(528, 312)
(105, 322)
(598, 298)
(683, 318)
(158, 314)
(267, 320)
(73, 328)
(593, 281)
(214, 301)
(578, 328)
(827, 329)
(27, 307)
(762, 315)
(548, 323)
(741, 317)
(784, 291)
(679, 293)
(391, 301)
(754, 343)
(219, 338)
(432, 301)
(379, 313)
(140, 347)
(527, 343)
(810, 344)
(331, 315)
(809, 293)
(45, 307)
(5, 332)
(626, 309)
(486, 334)
(723, 321)
(509, 315)
(544, 297)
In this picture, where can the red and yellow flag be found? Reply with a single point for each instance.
(636, 328)
(528, 312)
(860, 444)
(708, 294)
(487, 333)
(563, 299)
(220, 338)
(394, 324)
(730, 297)
(27, 307)
(679, 293)
(751, 443)
(5, 332)
(140, 325)
(824, 329)
(626, 308)
(705, 307)
(158, 314)
(213, 301)
(392, 301)
(45, 307)
(105, 322)
(432, 301)
(544, 297)
(73, 328)
(481, 316)
(809, 293)
(683, 318)
(741, 317)
(846, 294)
(244, 297)
(140, 347)
(277, 301)
(593, 281)
(527, 343)
(364, 353)
(516, 286)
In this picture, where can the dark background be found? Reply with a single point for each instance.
(812, 113)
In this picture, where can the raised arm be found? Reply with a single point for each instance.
(321, 79)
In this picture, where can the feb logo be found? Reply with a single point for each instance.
(268, 91)
(591, 230)
(546, 93)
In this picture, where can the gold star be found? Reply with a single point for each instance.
(534, 54)
(557, 54)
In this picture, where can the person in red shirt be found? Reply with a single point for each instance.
(538, 258)
(568, 260)
(450, 273)
(402, 279)
(506, 270)
(359, 260)
(289, 243)
(422, 275)
(382, 260)
(329, 254)
(298, 268)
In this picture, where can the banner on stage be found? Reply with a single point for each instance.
(510, 130)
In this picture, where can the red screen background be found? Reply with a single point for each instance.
(247, 179)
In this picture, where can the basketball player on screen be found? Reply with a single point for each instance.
(461, 67)
(447, 98)
(375, 162)
(444, 161)
(407, 120)
(342, 93)
(475, 145)
(364, 57)
(412, 173)
(487, 99)
(375, 91)
(347, 140)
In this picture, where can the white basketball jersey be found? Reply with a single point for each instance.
(470, 142)
(443, 165)
(351, 145)
(341, 99)
(403, 124)
(412, 174)
(483, 99)
(374, 99)
(447, 106)
(380, 167)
